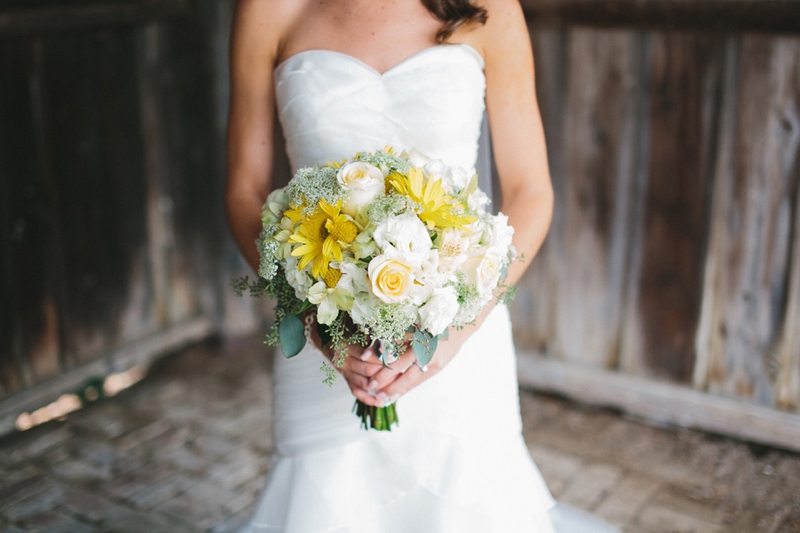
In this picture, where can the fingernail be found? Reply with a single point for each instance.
(381, 396)
(372, 384)
(371, 392)
(389, 401)
(366, 354)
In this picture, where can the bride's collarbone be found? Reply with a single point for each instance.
(379, 33)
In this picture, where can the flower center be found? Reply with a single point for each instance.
(332, 277)
(344, 231)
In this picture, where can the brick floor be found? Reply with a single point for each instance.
(187, 450)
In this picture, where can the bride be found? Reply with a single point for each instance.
(355, 75)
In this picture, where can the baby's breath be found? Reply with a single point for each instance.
(382, 159)
(312, 184)
(388, 206)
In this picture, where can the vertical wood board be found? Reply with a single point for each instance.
(669, 234)
(599, 139)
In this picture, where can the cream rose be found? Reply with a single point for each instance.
(439, 311)
(363, 183)
(391, 280)
(484, 270)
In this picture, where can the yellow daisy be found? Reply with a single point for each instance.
(437, 206)
(322, 236)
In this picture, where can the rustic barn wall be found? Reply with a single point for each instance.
(674, 153)
(112, 120)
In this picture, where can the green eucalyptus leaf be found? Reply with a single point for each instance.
(444, 335)
(424, 345)
(292, 333)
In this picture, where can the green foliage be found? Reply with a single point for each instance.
(424, 346)
(292, 334)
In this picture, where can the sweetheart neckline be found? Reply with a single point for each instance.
(463, 46)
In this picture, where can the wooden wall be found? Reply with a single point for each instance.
(112, 118)
(674, 144)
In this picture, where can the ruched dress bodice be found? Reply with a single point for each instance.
(332, 105)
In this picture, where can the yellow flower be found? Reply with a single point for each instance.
(391, 280)
(322, 236)
(437, 206)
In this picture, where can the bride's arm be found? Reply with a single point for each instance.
(253, 51)
(521, 159)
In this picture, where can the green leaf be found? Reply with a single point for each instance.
(292, 333)
(424, 345)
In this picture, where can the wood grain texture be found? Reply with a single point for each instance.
(26, 17)
(29, 336)
(669, 237)
(600, 133)
(778, 16)
(93, 131)
(753, 230)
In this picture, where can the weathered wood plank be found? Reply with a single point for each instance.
(93, 131)
(753, 227)
(600, 132)
(30, 17)
(185, 88)
(779, 16)
(663, 403)
(663, 295)
(29, 339)
(536, 296)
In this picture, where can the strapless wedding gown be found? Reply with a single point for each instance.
(457, 461)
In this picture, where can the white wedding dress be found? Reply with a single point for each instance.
(457, 461)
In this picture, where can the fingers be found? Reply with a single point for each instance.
(404, 383)
(365, 397)
(388, 374)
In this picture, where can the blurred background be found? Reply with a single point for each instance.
(669, 285)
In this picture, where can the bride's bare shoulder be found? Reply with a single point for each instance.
(505, 24)
(261, 26)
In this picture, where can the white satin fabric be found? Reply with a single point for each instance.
(457, 461)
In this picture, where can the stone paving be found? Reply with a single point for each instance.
(187, 448)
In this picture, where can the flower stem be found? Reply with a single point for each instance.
(378, 418)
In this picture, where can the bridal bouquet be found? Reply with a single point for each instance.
(381, 247)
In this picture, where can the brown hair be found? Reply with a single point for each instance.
(454, 13)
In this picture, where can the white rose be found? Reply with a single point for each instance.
(363, 183)
(416, 157)
(439, 311)
(391, 280)
(478, 201)
(484, 270)
(453, 178)
(404, 237)
(499, 232)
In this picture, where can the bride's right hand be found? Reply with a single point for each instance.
(360, 365)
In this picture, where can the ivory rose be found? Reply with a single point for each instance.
(363, 183)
